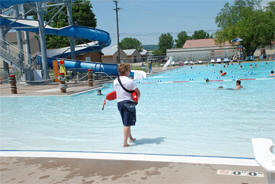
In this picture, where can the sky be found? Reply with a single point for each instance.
(146, 20)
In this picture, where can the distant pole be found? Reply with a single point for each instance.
(117, 31)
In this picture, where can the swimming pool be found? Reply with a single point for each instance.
(173, 116)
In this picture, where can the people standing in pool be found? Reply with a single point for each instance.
(125, 102)
(238, 85)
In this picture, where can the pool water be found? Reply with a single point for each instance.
(173, 117)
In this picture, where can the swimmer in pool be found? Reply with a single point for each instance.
(272, 74)
(222, 73)
(238, 85)
(99, 92)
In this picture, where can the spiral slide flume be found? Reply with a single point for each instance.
(81, 32)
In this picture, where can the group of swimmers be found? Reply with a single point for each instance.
(238, 82)
(237, 87)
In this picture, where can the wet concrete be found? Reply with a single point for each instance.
(92, 171)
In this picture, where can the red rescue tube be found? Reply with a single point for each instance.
(112, 96)
(109, 96)
(135, 97)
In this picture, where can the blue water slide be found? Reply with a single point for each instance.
(81, 32)
(110, 69)
(82, 66)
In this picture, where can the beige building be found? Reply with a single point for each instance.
(268, 51)
(133, 56)
(110, 55)
(91, 56)
(144, 54)
(33, 40)
(202, 49)
(83, 52)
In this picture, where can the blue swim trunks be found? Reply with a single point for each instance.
(127, 111)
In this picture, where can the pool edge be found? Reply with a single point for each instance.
(194, 159)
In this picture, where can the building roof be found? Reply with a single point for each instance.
(64, 52)
(210, 42)
(109, 51)
(129, 52)
(144, 52)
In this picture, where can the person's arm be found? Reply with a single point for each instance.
(138, 92)
(135, 88)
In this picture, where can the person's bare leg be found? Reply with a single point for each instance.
(126, 135)
(130, 136)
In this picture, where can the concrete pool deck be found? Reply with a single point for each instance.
(53, 89)
(46, 89)
(94, 168)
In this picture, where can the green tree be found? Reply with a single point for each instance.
(156, 52)
(200, 34)
(165, 42)
(82, 16)
(245, 19)
(182, 37)
(271, 7)
(131, 43)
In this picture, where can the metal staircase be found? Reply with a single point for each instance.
(12, 55)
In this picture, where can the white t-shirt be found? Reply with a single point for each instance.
(129, 84)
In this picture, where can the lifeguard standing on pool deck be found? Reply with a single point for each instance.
(125, 102)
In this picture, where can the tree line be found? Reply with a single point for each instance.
(244, 19)
(165, 41)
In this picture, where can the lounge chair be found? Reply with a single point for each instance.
(264, 156)
(226, 60)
